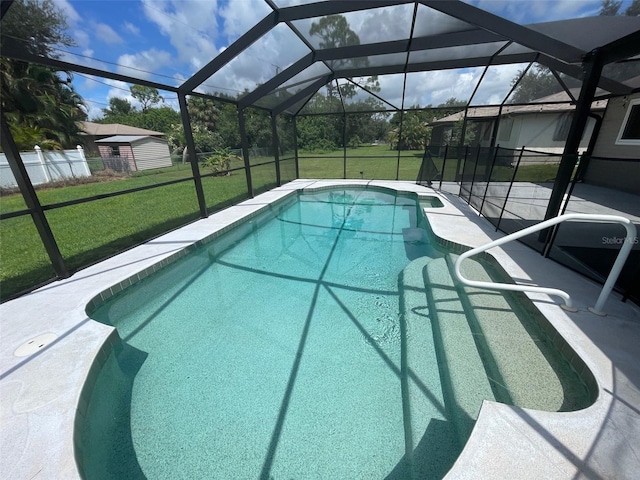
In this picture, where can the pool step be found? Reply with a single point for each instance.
(511, 343)
(424, 402)
(422, 382)
(462, 369)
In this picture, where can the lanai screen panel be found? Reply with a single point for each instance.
(627, 72)
(438, 87)
(294, 85)
(432, 22)
(496, 83)
(539, 83)
(391, 88)
(268, 56)
(325, 100)
(358, 28)
(361, 94)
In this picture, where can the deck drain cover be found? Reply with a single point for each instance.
(35, 344)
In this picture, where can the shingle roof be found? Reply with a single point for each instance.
(125, 139)
(546, 104)
(98, 129)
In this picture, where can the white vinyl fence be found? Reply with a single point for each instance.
(46, 166)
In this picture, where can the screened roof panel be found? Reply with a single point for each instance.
(626, 72)
(289, 3)
(387, 59)
(433, 22)
(358, 28)
(496, 84)
(455, 53)
(384, 60)
(514, 49)
(391, 88)
(437, 87)
(537, 85)
(312, 72)
(293, 86)
(293, 109)
(325, 100)
(258, 63)
(356, 98)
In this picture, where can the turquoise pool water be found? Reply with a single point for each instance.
(324, 339)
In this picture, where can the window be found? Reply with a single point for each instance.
(630, 130)
(506, 125)
(115, 151)
(563, 125)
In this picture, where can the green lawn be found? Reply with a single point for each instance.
(89, 232)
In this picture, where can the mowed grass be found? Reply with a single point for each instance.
(89, 232)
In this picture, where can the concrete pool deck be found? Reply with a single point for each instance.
(40, 393)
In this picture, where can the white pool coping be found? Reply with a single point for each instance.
(40, 393)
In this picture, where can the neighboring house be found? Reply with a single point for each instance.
(615, 162)
(541, 126)
(142, 152)
(98, 131)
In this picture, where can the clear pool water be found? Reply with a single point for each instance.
(325, 339)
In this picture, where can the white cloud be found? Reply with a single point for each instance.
(527, 11)
(143, 64)
(240, 16)
(107, 34)
(69, 12)
(94, 108)
(271, 54)
(131, 28)
(191, 27)
(81, 37)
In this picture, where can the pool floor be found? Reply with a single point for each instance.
(327, 342)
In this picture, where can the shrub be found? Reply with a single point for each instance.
(220, 161)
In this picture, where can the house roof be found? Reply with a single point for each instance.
(554, 103)
(126, 139)
(98, 129)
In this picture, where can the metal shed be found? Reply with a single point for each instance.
(143, 151)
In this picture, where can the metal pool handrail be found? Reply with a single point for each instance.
(568, 304)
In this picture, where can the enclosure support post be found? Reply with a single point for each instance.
(245, 151)
(592, 67)
(193, 158)
(275, 146)
(31, 199)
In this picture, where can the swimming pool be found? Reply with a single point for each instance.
(305, 343)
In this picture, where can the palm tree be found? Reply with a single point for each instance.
(41, 107)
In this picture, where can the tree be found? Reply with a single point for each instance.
(538, 82)
(40, 103)
(334, 32)
(118, 106)
(415, 132)
(147, 96)
(38, 24)
(203, 111)
(610, 7)
(633, 10)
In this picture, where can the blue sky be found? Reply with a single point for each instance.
(168, 40)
